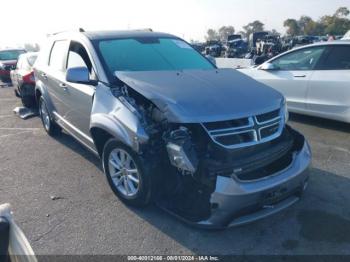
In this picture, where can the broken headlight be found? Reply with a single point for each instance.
(181, 151)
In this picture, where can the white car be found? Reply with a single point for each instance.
(315, 79)
(346, 36)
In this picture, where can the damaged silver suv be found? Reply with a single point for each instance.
(210, 146)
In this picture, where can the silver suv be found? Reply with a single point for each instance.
(210, 146)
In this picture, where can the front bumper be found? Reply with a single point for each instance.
(236, 202)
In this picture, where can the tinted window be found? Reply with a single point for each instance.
(150, 54)
(10, 54)
(304, 59)
(338, 58)
(58, 55)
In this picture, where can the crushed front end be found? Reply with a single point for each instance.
(228, 173)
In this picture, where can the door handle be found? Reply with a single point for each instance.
(299, 75)
(44, 75)
(63, 86)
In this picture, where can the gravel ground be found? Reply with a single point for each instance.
(88, 219)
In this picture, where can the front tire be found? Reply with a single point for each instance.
(49, 124)
(126, 173)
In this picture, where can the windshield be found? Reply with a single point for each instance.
(10, 54)
(150, 54)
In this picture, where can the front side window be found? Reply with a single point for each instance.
(336, 58)
(149, 54)
(304, 59)
(58, 55)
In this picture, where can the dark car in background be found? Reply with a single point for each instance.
(236, 48)
(8, 61)
(23, 80)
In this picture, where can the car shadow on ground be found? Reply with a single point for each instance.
(321, 216)
(320, 122)
(70, 142)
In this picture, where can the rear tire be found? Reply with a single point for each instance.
(48, 123)
(126, 173)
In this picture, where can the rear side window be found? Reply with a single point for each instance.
(58, 55)
(337, 58)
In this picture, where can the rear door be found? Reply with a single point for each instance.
(292, 74)
(56, 74)
(329, 87)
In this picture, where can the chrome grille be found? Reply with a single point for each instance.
(246, 131)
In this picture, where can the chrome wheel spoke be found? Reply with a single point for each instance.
(134, 179)
(123, 172)
(116, 174)
(115, 164)
(126, 185)
(119, 181)
(131, 185)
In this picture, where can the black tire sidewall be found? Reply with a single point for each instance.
(142, 197)
(53, 128)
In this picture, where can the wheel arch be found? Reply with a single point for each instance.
(102, 128)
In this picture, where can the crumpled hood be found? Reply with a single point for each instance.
(194, 96)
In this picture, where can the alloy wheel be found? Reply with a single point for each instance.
(124, 172)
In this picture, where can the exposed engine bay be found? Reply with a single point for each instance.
(187, 158)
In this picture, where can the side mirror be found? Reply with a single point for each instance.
(268, 66)
(80, 75)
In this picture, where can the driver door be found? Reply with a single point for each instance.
(291, 74)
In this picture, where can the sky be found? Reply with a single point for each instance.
(30, 21)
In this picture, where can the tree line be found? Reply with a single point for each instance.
(336, 24)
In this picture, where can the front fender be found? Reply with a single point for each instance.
(111, 115)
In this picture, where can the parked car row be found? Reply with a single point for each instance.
(23, 80)
(260, 46)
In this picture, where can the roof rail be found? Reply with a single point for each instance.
(145, 29)
(81, 30)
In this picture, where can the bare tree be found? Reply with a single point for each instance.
(212, 35)
(225, 31)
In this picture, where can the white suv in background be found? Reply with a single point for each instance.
(315, 79)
